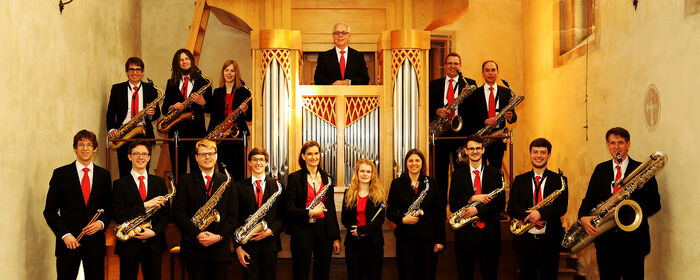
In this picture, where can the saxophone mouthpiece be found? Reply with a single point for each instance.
(618, 157)
(505, 83)
(460, 73)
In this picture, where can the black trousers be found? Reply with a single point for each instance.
(477, 248)
(185, 154)
(67, 267)
(415, 259)
(123, 158)
(261, 265)
(538, 257)
(364, 260)
(494, 154)
(150, 265)
(619, 264)
(312, 239)
(232, 154)
(207, 270)
(443, 150)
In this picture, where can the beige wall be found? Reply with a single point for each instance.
(655, 44)
(57, 75)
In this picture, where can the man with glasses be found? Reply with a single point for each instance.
(341, 65)
(443, 92)
(206, 253)
(126, 100)
(133, 194)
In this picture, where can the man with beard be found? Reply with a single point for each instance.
(538, 249)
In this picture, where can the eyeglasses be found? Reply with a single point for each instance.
(474, 149)
(340, 33)
(209, 154)
(258, 160)
(135, 69)
(140, 154)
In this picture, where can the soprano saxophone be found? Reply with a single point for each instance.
(457, 221)
(208, 214)
(440, 124)
(128, 229)
(319, 197)
(611, 213)
(175, 116)
(132, 128)
(415, 209)
(519, 227)
(255, 223)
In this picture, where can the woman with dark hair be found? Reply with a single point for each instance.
(314, 231)
(185, 80)
(363, 215)
(226, 99)
(419, 237)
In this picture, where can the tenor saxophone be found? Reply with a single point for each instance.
(255, 223)
(519, 227)
(227, 126)
(610, 213)
(128, 229)
(175, 116)
(457, 221)
(132, 128)
(208, 214)
(440, 124)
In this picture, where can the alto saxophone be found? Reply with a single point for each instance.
(608, 213)
(227, 126)
(440, 124)
(207, 214)
(132, 128)
(128, 229)
(519, 227)
(255, 223)
(415, 209)
(175, 116)
(318, 198)
(457, 221)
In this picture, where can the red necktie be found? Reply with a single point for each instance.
(142, 188)
(184, 87)
(135, 102)
(85, 185)
(492, 104)
(208, 184)
(258, 193)
(450, 95)
(342, 65)
(477, 187)
(538, 195)
(617, 178)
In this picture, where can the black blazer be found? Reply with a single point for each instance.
(190, 127)
(65, 209)
(328, 68)
(246, 206)
(431, 225)
(521, 199)
(119, 103)
(373, 229)
(217, 107)
(599, 190)
(478, 112)
(462, 189)
(437, 92)
(127, 205)
(295, 205)
(191, 195)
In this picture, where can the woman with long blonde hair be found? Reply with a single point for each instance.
(363, 215)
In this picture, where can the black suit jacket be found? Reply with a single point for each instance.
(295, 205)
(246, 206)
(328, 68)
(191, 195)
(66, 212)
(521, 199)
(195, 127)
(217, 107)
(373, 228)
(127, 205)
(437, 93)
(119, 103)
(599, 190)
(478, 112)
(462, 189)
(431, 225)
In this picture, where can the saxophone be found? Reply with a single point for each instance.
(319, 197)
(255, 223)
(227, 126)
(207, 214)
(457, 221)
(415, 206)
(129, 228)
(440, 124)
(175, 116)
(611, 213)
(132, 127)
(519, 227)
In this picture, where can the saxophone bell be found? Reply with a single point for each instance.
(456, 123)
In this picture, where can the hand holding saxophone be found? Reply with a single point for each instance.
(177, 106)
(146, 233)
(586, 221)
(317, 210)
(411, 218)
(443, 112)
(158, 201)
(534, 217)
(261, 235)
(481, 198)
(198, 98)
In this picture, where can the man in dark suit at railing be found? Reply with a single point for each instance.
(341, 65)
